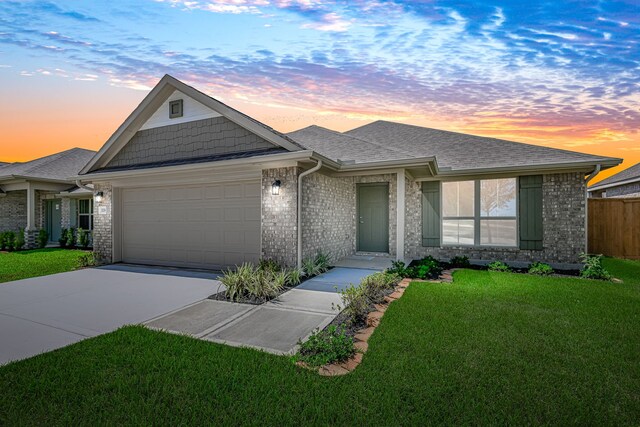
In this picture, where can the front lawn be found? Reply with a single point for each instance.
(491, 348)
(37, 262)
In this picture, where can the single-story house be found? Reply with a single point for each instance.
(623, 184)
(41, 194)
(188, 181)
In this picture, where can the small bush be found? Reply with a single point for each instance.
(377, 285)
(398, 268)
(43, 238)
(355, 304)
(295, 277)
(322, 262)
(328, 346)
(87, 260)
(540, 269)
(499, 266)
(18, 243)
(269, 265)
(593, 268)
(70, 238)
(427, 268)
(249, 281)
(10, 240)
(83, 238)
(62, 241)
(3, 241)
(460, 261)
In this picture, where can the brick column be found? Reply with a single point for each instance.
(102, 224)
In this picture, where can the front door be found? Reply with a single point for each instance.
(373, 217)
(54, 218)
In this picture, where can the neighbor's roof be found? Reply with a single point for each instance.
(58, 167)
(452, 150)
(631, 173)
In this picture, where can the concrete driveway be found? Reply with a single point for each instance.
(45, 313)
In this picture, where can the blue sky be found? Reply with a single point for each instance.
(559, 73)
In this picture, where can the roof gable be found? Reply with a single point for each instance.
(145, 115)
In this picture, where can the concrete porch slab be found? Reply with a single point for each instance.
(371, 262)
(201, 318)
(307, 300)
(271, 329)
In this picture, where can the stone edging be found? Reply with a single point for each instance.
(373, 320)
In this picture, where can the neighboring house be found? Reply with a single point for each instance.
(41, 194)
(622, 184)
(188, 181)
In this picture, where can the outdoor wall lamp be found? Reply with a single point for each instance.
(275, 187)
(99, 196)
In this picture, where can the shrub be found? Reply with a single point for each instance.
(3, 241)
(355, 304)
(540, 268)
(377, 285)
(269, 264)
(427, 268)
(328, 346)
(593, 268)
(43, 238)
(83, 238)
(398, 268)
(460, 261)
(62, 241)
(10, 240)
(18, 243)
(70, 238)
(322, 262)
(498, 266)
(295, 276)
(87, 260)
(250, 281)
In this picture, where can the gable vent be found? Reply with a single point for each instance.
(175, 109)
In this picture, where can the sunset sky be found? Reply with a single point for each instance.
(562, 74)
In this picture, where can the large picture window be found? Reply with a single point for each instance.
(481, 212)
(85, 214)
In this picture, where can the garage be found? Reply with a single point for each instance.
(210, 226)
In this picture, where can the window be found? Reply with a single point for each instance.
(85, 214)
(175, 109)
(481, 212)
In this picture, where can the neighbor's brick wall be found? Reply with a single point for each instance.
(328, 216)
(102, 224)
(13, 210)
(563, 213)
(200, 138)
(279, 216)
(628, 190)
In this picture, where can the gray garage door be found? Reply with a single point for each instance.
(203, 226)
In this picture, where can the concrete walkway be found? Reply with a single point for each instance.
(275, 326)
(45, 313)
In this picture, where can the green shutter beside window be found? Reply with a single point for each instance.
(531, 212)
(431, 213)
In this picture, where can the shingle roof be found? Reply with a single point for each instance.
(459, 151)
(60, 166)
(339, 146)
(632, 172)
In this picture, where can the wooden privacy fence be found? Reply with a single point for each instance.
(614, 227)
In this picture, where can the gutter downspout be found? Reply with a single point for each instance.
(592, 175)
(302, 175)
(84, 187)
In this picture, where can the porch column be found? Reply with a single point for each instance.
(31, 207)
(400, 210)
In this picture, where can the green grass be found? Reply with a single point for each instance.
(37, 262)
(491, 348)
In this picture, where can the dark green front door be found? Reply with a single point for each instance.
(54, 218)
(373, 217)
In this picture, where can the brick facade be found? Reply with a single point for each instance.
(279, 216)
(103, 224)
(13, 210)
(563, 221)
(191, 140)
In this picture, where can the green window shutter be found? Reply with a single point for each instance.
(73, 213)
(431, 213)
(531, 212)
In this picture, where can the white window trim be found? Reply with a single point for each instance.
(477, 218)
(90, 214)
